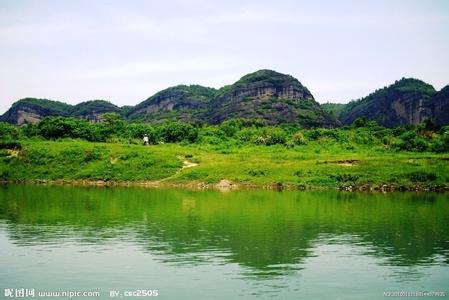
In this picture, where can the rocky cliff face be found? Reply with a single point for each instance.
(441, 107)
(93, 110)
(181, 102)
(274, 97)
(31, 110)
(265, 94)
(407, 101)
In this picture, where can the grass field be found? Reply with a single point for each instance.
(318, 164)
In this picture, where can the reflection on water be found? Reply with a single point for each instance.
(211, 244)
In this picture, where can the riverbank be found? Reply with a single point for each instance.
(225, 185)
(311, 166)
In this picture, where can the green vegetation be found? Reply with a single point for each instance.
(245, 152)
(392, 105)
(186, 101)
(56, 106)
(94, 106)
(334, 108)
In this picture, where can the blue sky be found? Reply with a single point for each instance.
(125, 51)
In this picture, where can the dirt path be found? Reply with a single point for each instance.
(186, 163)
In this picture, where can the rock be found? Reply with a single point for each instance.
(406, 102)
(271, 96)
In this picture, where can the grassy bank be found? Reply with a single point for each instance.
(322, 163)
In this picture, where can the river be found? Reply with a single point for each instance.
(183, 244)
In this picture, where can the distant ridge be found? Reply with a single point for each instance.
(265, 94)
(408, 101)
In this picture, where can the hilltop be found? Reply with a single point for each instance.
(273, 97)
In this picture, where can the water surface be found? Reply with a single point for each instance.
(215, 245)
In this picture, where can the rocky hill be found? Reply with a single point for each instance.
(407, 101)
(440, 103)
(265, 94)
(93, 110)
(182, 102)
(269, 95)
(334, 108)
(31, 110)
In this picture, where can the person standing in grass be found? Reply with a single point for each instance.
(145, 139)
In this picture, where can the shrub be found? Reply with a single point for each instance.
(8, 131)
(345, 177)
(410, 141)
(137, 131)
(231, 127)
(299, 139)
(173, 132)
(10, 145)
(274, 136)
(60, 127)
(247, 134)
(421, 176)
(257, 172)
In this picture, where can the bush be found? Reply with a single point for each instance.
(137, 131)
(173, 132)
(410, 141)
(247, 134)
(11, 145)
(299, 139)
(231, 127)
(274, 136)
(345, 177)
(421, 176)
(441, 144)
(60, 127)
(8, 131)
(30, 130)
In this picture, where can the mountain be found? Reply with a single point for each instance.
(269, 95)
(441, 106)
(265, 94)
(181, 102)
(93, 110)
(333, 108)
(407, 101)
(32, 110)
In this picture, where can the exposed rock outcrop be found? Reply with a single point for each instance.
(31, 110)
(94, 110)
(265, 94)
(441, 107)
(181, 102)
(406, 102)
(269, 95)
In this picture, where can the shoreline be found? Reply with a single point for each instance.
(226, 185)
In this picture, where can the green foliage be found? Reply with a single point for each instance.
(97, 106)
(345, 177)
(421, 176)
(55, 106)
(173, 132)
(8, 131)
(411, 141)
(298, 138)
(61, 127)
(11, 145)
(377, 105)
(333, 108)
(237, 132)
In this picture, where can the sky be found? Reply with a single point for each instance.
(125, 51)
